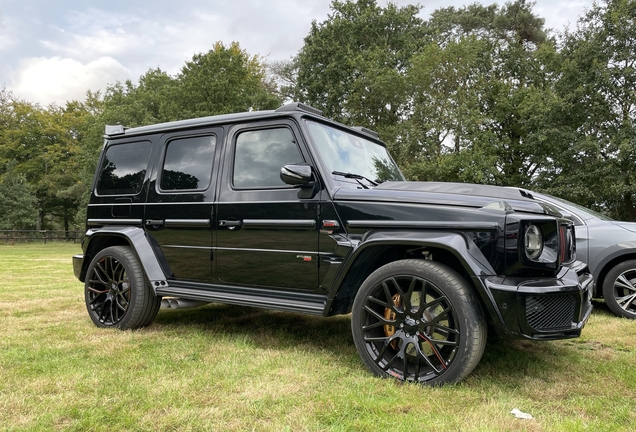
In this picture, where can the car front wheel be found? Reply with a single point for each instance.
(619, 289)
(418, 321)
(116, 291)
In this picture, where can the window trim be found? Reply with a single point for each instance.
(162, 162)
(261, 128)
(100, 169)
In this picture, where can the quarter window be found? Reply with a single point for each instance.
(123, 169)
(259, 156)
(188, 163)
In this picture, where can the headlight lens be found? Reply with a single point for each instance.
(533, 242)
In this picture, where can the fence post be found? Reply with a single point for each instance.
(44, 236)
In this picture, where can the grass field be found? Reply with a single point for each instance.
(232, 368)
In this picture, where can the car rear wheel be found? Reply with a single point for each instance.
(619, 289)
(116, 291)
(418, 321)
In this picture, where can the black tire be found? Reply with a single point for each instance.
(434, 341)
(619, 289)
(116, 290)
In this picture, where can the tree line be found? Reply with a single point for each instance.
(480, 94)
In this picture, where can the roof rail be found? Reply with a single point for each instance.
(297, 106)
(366, 131)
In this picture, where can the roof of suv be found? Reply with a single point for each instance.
(285, 110)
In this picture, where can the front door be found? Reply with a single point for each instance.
(179, 210)
(266, 235)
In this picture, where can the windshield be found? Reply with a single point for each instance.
(344, 152)
(583, 212)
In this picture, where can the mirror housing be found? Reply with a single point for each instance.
(300, 175)
(297, 175)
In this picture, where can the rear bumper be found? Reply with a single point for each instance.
(78, 261)
(543, 309)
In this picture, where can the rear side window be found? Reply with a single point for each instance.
(188, 163)
(124, 168)
(259, 156)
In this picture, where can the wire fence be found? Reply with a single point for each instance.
(39, 236)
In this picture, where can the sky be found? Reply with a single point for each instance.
(54, 51)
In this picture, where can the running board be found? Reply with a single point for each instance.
(313, 304)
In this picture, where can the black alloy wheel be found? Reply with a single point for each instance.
(619, 289)
(116, 291)
(418, 321)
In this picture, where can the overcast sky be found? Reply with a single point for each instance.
(55, 50)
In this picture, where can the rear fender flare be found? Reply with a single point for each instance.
(139, 242)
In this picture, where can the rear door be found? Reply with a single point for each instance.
(179, 211)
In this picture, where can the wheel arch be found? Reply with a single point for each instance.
(454, 250)
(607, 264)
(133, 237)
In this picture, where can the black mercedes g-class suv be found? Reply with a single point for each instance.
(288, 210)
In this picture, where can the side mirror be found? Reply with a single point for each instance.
(297, 175)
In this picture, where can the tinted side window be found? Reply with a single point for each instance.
(124, 168)
(188, 163)
(259, 156)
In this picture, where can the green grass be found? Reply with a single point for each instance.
(232, 368)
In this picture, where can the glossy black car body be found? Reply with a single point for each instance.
(308, 245)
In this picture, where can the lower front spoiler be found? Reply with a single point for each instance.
(543, 309)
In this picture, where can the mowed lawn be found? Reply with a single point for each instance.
(232, 368)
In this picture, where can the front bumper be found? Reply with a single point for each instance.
(545, 308)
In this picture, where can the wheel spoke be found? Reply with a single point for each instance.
(380, 302)
(388, 364)
(99, 269)
(433, 302)
(626, 302)
(421, 355)
(436, 352)
(623, 282)
(409, 295)
(398, 288)
(443, 328)
(377, 316)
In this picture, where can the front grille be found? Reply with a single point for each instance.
(550, 312)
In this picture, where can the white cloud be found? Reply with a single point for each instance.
(56, 79)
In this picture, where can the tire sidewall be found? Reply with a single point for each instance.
(137, 285)
(467, 312)
(608, 288)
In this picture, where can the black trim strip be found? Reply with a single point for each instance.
(459, 225)
(279, 223)
(271, 250)
(96, 222)
(187, 223)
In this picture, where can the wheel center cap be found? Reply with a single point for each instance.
(410, 325)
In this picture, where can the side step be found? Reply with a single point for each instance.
(313, 304)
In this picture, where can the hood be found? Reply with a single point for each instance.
(456, 194)
(629, 226)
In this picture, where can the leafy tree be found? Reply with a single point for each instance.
(353, 65)
(41, 144)
(483, 97)
(18, 203)
(224, 80)
(598, 80)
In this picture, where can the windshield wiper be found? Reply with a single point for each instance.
(356, 177)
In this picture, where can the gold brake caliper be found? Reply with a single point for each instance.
(389, 314)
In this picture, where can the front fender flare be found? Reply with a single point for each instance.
(457, 243)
